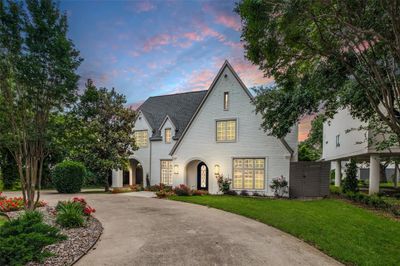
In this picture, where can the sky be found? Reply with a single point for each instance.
(145, 48)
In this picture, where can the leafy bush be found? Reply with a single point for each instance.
(224, 184)
(279, 186)
(68, 176)
(231, 193)
(244, 193)
(117, 190)
(196, 192)
(350, 182)
(163, 194)
(70, 214)
(335, 190)
(23, 239)
(256, 194)
(182, 190)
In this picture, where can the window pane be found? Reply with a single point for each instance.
(168, 135)
(259, 179)
(231, 130)
(166, 172)
(238, 178)
(221, 130)
(248, 179)
(259, 163)
(238, 163)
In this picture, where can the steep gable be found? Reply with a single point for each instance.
(227, 74)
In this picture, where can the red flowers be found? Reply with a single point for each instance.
(15, 204)
(87, 210)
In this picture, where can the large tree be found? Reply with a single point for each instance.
(37, 80)
(101, 131)
(326, 54)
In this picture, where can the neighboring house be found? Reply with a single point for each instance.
(345, 137)
(191, 138)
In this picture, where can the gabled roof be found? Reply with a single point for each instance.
(208, 92)
(179, 108)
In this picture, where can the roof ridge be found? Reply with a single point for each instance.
(178, 93)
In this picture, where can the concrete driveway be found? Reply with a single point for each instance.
(149, 231)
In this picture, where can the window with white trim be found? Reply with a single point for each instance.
(166, 172)
(226, 131)
(168, 135)
(338, 140)
(248, 173)
(226, 101)
(141, 138)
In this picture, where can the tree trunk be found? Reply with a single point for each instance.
(396, 174)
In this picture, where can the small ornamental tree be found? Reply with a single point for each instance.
(279, 186)
(224, 184)
(350, 183)
(68, 176)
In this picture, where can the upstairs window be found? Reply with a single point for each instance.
(226, 131)
(168, 136)
(226, 101)
(337, 140)
(141, 138)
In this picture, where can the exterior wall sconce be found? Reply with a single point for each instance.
(216, 170)
(176, 169)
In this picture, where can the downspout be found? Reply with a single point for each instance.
(150, 163)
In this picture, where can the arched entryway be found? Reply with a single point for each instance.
(197, 175)
(136, 172)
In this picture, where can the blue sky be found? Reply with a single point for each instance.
(146, 48)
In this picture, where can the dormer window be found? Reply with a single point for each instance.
(226, 101)
(168, 135)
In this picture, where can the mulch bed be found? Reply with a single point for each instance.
(79, 240)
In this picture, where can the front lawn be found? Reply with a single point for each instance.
(348, 233)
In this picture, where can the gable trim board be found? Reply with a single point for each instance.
(217, 77)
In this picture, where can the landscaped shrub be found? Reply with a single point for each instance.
(224, 184)
(68, 176)
(350, 182)
(231, 193)
(70, 214)
(196, 192)
(23, 239)
(244, 193)
(182, 190)
(153, 188)
(335, 190)
(117, 190)
(163, 194)
(256, 194)
(279, 186)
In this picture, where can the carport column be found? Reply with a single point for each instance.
(374, 171)
(117, 178)
(338, 173)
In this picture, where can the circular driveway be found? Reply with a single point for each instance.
(149, 231)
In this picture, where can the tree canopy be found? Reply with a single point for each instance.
(325, 54)
(37, 80)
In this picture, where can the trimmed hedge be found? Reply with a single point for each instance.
(68, 176)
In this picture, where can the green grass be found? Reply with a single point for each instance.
(348, 233)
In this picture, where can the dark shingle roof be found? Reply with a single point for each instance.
(179, 107)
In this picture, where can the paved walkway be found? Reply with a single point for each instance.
(149, 231)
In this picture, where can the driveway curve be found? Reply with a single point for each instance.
(149, 231)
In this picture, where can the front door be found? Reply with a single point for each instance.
(202, 176)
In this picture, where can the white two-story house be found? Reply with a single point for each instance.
(191, 138)
(345, 137)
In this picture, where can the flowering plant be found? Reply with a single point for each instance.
(279, 186)
(224, 184)
(15, 204)
(87, 210)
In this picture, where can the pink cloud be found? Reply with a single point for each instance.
(156, 41)
(229, 21)
(144, 6)
(193, 36)
(135, 105)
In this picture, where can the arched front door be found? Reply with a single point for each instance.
(202, 176)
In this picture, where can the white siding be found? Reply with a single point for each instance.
(351, 143)
(200, 141)
(143, 154)
(160, 151)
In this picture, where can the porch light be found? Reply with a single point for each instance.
(176, 169)
(216, 170)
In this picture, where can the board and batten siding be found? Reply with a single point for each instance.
(199, 142)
